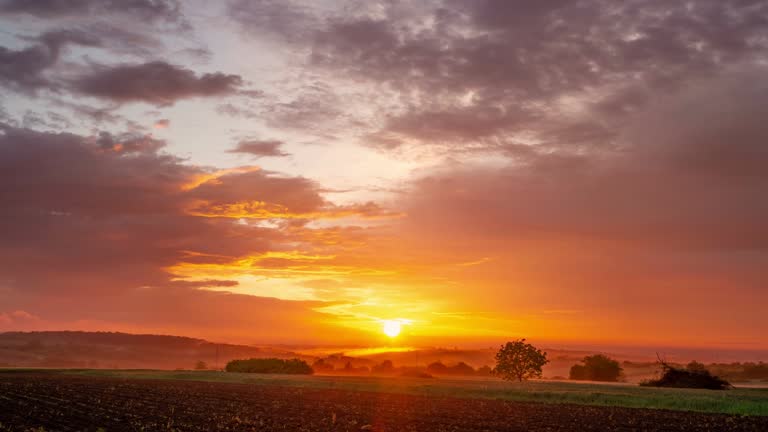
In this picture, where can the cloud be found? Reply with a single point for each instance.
(152, 10)
(285, 20)
(51, 120)
(260, 148)
(126, 205)
(490, 73)
(18, 318)
(124, 39)
(24, 69)
(672, 216)
(158, 83)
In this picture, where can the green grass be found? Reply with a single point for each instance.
(742, 401)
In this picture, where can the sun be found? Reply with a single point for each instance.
(391, 328)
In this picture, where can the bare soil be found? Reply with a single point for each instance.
(58, 402)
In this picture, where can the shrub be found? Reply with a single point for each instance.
(462, 369)
(687, 378)
(596, 367)
(385, 368)
(350, 369)
(437, 368)
(270, 365)
(321, 366)
(484, 370)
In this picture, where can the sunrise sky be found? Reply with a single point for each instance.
(277, 171)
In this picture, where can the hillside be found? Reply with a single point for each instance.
(70, 349)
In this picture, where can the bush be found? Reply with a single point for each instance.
(687, 378)
(385, 368)
(350, 369)
(270, 365)
(596, 368)
(321, 366)
(462, 369)
(437, 368)
(484, 370)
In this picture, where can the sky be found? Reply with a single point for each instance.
(305, 172)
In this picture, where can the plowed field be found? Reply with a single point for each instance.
(57, 402)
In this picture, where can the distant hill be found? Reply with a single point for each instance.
(74, 349)
(77, 349)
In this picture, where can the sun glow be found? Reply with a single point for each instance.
(391, 328)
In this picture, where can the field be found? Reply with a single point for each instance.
(206, 401)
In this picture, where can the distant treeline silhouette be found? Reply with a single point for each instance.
(387, 367)
(460, 368)
(596, 367)
(270, 365)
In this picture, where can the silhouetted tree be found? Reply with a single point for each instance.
(386, 367)
(519, 360)
(321, 366)
(484, 370)
(437, 368)
(596, 367)
(462, 369)
(201, 365)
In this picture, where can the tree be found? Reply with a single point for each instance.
(519, 360)
(596, 367)
(484, 370)
(201, 365)
(386, 367)
(437, 368)
(462, 369)
(321, 366)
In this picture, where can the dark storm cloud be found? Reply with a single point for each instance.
(157, 83)
(260, 148)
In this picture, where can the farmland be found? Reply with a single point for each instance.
(204, 401)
